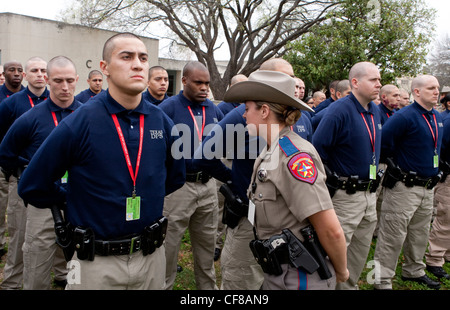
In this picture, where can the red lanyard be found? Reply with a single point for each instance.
(372, 141)
(31, 101)
(54, 118)
(125, 149)
(431, 129)
(200, 136)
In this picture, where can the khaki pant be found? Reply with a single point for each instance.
(404, 222)
(240, 271)
(357, 216)
(118, 272)
(296, 279)
(379, 194)
(439, 241)
(194, 206)
(40, 251)
(17, 217)
(4, 188)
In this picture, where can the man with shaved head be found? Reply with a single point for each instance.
(404, 101)
(40, 252)
(13, 72)
(195, 205)
(390, 100)
(278, 64)
(411, 145)
(116, 151)
(10, 109)
(348, 141)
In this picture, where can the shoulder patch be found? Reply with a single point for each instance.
(302, 167)
(287, 146)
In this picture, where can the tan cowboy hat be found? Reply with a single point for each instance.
(269, 86)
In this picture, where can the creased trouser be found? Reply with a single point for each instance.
(357, 216)
(118, 272)
(194, 206)
(239, 268)
(404, 223)
(4, 188)
(17, 217)
(439, 241)
(40, 251)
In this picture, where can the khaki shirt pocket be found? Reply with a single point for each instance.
(267, 212)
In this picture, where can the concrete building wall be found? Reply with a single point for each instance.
(22, 37)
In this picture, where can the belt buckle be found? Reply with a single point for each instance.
(135, 240)
(198, 177)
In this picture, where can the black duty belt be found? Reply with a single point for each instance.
(415, 180)
(200, 176)
(118, 247)
(355, 185)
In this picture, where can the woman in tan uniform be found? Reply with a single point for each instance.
(288, 191)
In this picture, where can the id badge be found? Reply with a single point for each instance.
(64, 178)
(372, 172)
(133, 208)
(435, 161)
(251, 212)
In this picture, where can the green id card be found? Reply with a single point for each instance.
(64, 178)
(435, 161)
(372, 172)
(133, 208)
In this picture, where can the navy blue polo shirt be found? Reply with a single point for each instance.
(147, 96)
(176, 107)
(87, 145)
(235, 143)
(5, 92)
(445, 113)
(407, 138)
(85, 95)
(385, 113)
(315, 120)
(303, 127)
(226, 107)
(17, 104)
(445, 148)
(343, 141)
(324, 104)
(29, 131)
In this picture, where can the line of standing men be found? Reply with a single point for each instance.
(125, 65)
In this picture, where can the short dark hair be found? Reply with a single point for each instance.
(109, 44)
(94, 72)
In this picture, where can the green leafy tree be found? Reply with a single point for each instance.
(393, 34)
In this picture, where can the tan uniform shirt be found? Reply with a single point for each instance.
(290, 186)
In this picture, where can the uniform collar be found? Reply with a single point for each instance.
(421, 109)
(113, 107)
(360, 108)
(33, 96)
(54, 108)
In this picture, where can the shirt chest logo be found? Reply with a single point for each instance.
(156, 134)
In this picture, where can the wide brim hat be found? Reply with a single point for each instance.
(269, 86)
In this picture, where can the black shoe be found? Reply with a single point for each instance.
(179, 268)
(424, 280)
(2, 252)
(439, 272)
(217, 252)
